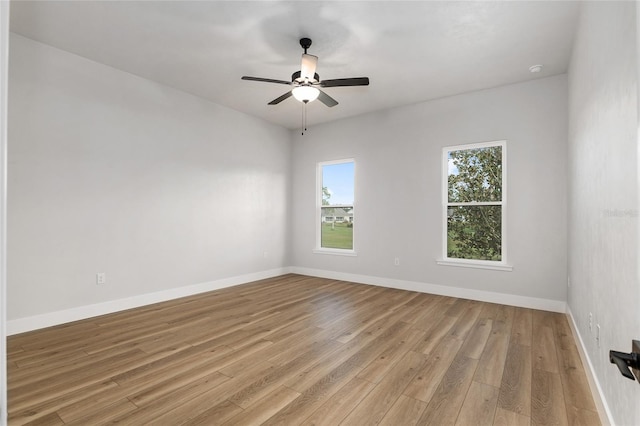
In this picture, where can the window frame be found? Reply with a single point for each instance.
(502, 264)
(318, 216)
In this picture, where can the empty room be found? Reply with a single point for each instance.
(319, 212)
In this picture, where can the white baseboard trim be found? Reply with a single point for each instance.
(596, 390)
(463, 293)
(49, 319)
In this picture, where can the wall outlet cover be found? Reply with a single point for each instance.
(101, 278)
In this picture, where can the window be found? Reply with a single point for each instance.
(335, 207)
(474, 205)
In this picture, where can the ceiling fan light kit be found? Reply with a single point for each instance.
(305, 93)
(306, 80)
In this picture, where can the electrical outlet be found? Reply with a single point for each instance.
(101, 278)
(396, 261)
(590, 321)
(568, 282)
(598, 334)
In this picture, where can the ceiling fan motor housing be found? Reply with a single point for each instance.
(296, 77)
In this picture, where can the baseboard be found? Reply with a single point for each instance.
(596, 390)
(462, 293)
(49, 319)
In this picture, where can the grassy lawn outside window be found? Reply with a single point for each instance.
(335, 202)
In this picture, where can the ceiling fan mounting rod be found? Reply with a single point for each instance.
(305, 43)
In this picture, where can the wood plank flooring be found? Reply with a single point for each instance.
(297, 350)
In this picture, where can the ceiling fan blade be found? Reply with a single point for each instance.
(266, 80)
(281, 98)
(326, 99)
(308, 66)
(341, 82)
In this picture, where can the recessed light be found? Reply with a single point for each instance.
(535, 68)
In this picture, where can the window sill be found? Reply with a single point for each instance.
(335, 252)
(496, 266)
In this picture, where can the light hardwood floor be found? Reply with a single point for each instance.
(299, 350)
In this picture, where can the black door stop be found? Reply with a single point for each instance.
(625, 361)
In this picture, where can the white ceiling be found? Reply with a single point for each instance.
(411, 51)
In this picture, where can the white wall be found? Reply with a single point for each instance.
(603, 182)
(398, 188)
(4, 68)
(109, 172)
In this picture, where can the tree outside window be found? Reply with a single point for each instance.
(475, 205)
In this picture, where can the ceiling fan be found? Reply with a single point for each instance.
(306, 82)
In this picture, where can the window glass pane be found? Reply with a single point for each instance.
(474, 232)
(475, 175)
(336, 227)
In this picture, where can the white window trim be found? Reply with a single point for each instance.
(335, 252)
(318, 248)
(502, 264)
(478, 264)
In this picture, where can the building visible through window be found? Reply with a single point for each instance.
(336, 180)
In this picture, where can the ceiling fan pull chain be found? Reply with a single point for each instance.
(304, 116)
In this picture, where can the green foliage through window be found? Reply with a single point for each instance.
(474, 202)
